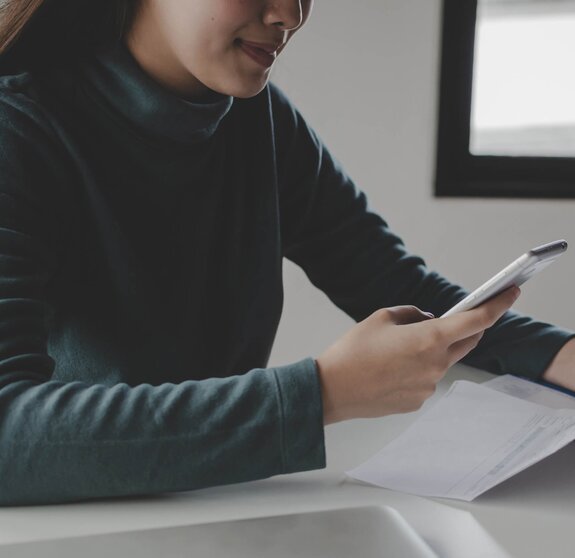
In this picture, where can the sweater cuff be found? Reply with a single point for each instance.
(551, 343)
(302, 433)
(530, 358)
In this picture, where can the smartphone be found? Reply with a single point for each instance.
(516, 273)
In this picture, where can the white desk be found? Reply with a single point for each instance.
(530, 515)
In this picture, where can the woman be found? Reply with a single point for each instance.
(152, 181)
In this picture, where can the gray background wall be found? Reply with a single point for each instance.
(365, 75)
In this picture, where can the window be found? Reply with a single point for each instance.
(507, 99)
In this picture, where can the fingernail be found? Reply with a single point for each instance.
(429, 314)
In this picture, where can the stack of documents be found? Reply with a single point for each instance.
(474, 437)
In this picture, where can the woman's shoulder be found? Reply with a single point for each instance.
(290, 123)
(21, 104)
(31, 152)
(281, 104)
(288, 118)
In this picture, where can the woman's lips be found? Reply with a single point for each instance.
(259, 55)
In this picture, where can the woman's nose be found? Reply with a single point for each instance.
(288, 14)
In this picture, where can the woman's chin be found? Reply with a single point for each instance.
(243, 90)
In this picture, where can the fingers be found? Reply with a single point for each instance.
(465, 324)
(462, 347)
(401, 315)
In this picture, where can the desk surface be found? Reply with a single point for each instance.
(529, 515)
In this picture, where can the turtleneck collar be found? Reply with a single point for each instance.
(150, 107)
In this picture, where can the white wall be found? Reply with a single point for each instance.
(365, 75)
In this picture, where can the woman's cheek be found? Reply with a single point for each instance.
(233, 11)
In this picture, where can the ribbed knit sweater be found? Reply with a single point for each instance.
(141, 245)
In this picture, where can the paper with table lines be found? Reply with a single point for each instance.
(475, 437)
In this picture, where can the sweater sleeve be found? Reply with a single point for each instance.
(348, 251)
(69, 441)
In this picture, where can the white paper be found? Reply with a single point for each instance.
(529, 391)
(472, 439)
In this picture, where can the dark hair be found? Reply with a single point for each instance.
(36, 32)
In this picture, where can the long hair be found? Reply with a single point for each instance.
(36, 32)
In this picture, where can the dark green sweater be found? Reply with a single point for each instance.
(141, 247)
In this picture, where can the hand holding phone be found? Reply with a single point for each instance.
(516, 273)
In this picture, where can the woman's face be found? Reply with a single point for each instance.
(193, 46)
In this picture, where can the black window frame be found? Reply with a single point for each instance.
(460, 173)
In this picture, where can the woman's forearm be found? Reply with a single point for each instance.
(561, 371)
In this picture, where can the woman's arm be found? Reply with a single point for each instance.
(561, 371)
(66, 441)
(348, 251)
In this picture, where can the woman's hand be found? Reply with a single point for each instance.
(392, 361)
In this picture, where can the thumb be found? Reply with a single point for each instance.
(401, 315)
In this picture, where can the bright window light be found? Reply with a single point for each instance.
(523, 100)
